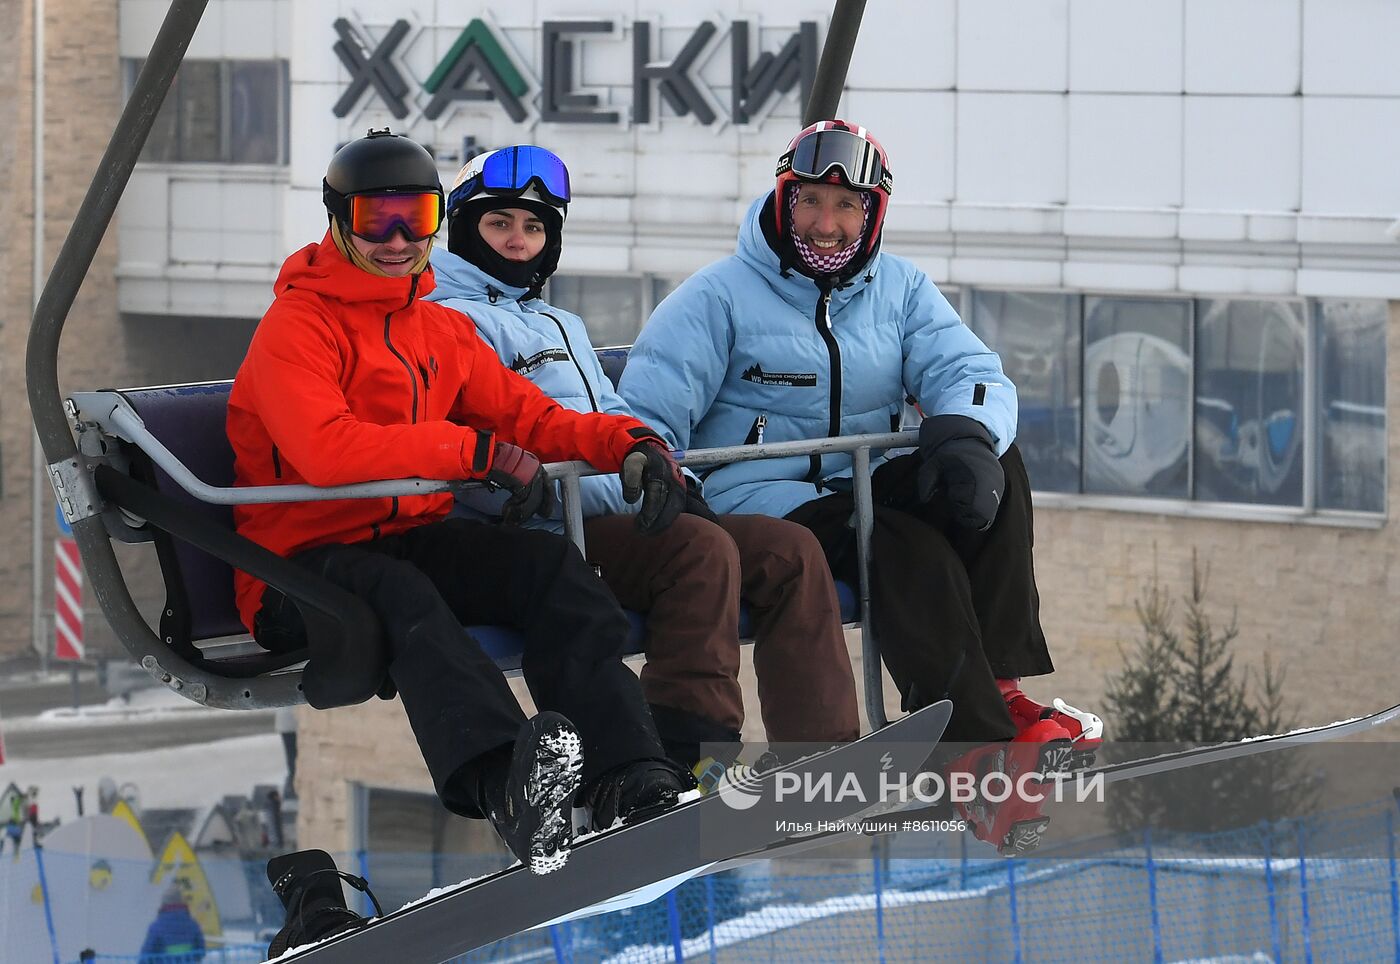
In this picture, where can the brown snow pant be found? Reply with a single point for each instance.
(689, 580)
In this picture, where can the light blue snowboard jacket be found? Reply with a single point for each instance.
(742, 353)
(545, 344)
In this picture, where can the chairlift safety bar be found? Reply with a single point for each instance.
(122, 420)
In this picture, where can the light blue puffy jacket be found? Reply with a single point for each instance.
(547, 345)
(740, 354)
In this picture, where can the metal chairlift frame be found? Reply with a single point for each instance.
(78, 477)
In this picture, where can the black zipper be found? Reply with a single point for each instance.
(833, 350)
(412, 375)
(276, 464)
(412, 380)
(569, 350)
(422, 370)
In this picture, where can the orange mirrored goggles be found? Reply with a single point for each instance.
(376, 217)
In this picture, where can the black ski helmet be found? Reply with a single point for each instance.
(381, 162)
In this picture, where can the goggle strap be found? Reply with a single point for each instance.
(466, 191)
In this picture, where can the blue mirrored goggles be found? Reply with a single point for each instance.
(511, 172)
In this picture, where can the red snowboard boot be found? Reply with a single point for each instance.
(1008, 792)
(1085, 729)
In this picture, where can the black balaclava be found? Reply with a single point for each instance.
(464, 240)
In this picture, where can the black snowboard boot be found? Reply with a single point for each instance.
(530, 803)
(636, 791)
(308, 884)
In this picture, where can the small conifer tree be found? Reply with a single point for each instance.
(1182, 688)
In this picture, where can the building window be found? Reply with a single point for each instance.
(256, 122)
(661, 287)
(613, 307)
(1037, 336)
(1221, 400)
(1137, 397)
(221, 112)
(1249, 402)
(1351, 405)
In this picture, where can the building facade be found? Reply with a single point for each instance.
(1176, 220)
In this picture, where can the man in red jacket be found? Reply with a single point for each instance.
(352, 377)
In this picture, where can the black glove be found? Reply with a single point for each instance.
(519, 471)
(695, 503)
(960, 468)
(650, 474)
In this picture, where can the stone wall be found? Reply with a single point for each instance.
(82, 94)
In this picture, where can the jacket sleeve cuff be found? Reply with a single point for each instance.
(483, 450)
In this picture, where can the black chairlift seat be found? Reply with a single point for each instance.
(198, 549)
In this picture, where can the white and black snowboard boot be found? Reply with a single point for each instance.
(530, 803)
(308, 884)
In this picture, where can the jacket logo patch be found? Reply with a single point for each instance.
(755, 373)
(524, 366)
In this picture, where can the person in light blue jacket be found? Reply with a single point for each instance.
(809, 331)
(505, 233)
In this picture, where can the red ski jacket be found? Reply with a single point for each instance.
(351, 377)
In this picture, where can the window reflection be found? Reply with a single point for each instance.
(1249, 402)
(611, 308)
(1137, 396)
(199, 101)
(254, 107)
(1351, 405)
(662, 286)
(220, 111)
(1037, 337)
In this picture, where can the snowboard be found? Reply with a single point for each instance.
(814, 795)
(1109, 773)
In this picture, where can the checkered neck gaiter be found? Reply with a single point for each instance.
(826, 263)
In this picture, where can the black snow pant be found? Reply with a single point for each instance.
(425, 584)
(952, 609)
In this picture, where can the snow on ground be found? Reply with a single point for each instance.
(193, 775)
(196, 775)
(155, 704)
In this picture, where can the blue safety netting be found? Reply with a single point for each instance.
(1324, 888)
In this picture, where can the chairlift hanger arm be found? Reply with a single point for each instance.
(825, 98)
